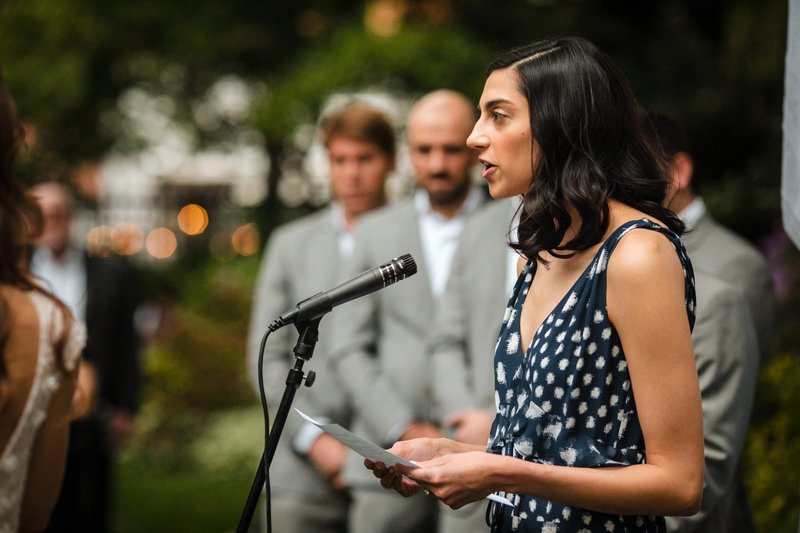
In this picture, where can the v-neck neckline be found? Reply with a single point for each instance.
(532, 268)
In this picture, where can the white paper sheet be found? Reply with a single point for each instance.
(372, 451)
(362, 447)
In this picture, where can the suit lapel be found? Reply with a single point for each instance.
(411, 240)
(326, 251)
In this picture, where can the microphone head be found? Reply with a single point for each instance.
(397, 269)
(407, 265)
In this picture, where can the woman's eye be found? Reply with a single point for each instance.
(497, 117)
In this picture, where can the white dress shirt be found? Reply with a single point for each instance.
(692, 213)
(64, 276)
(439, 236)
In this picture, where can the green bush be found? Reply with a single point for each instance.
(205, 490)
(195, 365)
(199, 434)
(774, 446)
(772, 455)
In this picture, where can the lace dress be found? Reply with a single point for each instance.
(567, 399)
(16, 455)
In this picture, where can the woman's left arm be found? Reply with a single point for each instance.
(646, 304)
(645, 298)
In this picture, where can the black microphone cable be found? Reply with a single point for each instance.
(372, 280)
(275, 325)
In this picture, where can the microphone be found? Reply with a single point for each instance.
(372, 280)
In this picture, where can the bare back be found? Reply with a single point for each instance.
(34, 420)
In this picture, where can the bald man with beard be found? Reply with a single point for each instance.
(379, 353)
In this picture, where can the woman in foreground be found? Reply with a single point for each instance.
(598, 424)
(40, 346)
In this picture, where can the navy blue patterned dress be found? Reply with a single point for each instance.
(567, 400)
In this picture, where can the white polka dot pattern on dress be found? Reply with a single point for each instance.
(566, 398)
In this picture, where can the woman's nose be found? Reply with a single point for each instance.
(477, 139)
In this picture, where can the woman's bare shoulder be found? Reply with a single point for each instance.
(644, 254)
(21, 310)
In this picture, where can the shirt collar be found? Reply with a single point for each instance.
(692, 213)
(345, 238)
(422, 204)
(44, 254)
(337, 219)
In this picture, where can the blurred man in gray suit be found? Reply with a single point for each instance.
(729, 273)
(726, 351)
(713, 248)
(463, 338)
(301, 259)
(379, 353)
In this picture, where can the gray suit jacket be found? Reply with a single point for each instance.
(720, 253)
(726, 350)
(469, 314)
(465, 333)
(379, 352)
(301, 259)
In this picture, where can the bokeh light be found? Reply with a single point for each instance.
(192, 219)
(128, 238)
(246, 239)
(384, 17)
(100, 241)
(161, 243)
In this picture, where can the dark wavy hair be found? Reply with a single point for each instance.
(20, 223)
(596, 144)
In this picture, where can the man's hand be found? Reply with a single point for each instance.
(83, 400)
(328, 456)
(471, 426)
(417, 430)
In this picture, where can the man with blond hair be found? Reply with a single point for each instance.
(301, 259)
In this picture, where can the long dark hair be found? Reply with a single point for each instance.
(595, 141)
(20, 217)
(20, 223)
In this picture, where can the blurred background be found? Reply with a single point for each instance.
(187, 129)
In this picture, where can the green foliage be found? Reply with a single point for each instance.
(774, 446)
(157, 501)
(195, 366)
(67, 61)
(714, 65)
(198, 359)
(206, 491)
(414, 60)
(199, 433)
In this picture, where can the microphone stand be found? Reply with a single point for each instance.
(303, 350)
